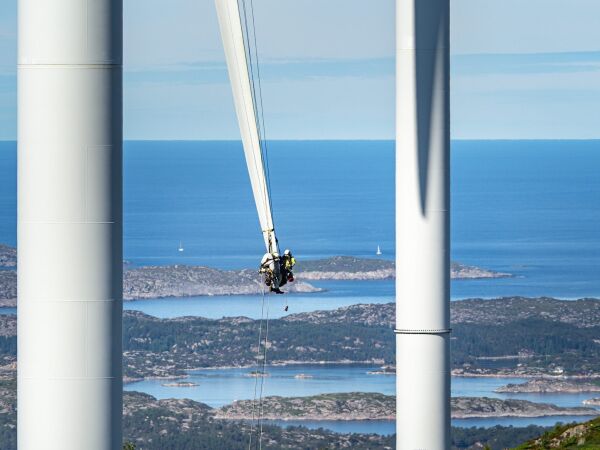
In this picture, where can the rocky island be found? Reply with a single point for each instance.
(188, 281)
(550, 385)
(8, 288)
(592, 402)
(481, 407)
(374, 406)
(152, 282)
(180, 384)
(384, 370)
(347, 406)
(8, 256)
(352, 268)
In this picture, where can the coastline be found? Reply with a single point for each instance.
(362, 406)
(377, 364)
(533, 375)
(182, 281)
(129, 380)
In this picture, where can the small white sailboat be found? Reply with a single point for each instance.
(180, 246)
(378, 251)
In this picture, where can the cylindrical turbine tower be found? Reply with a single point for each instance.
(422, 225)
(69, 224)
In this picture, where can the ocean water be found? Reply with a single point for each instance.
(530, 208)
(336, 294)
(388, 427)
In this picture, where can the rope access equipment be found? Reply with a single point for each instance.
(238, 31)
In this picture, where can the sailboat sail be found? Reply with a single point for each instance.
(245, 106)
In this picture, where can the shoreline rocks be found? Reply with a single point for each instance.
(8, 288)
(156, 282)
(8, 256)
(375, 406)
(543, 386)
(482, 407)
(180, 384)
(353, 268)
(190, 281)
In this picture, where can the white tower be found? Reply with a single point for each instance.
(69, 224)
(422, 225)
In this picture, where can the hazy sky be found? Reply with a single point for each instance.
(520, 69)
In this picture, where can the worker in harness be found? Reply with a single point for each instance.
(270, 266)
(287, 264)
(277, 270)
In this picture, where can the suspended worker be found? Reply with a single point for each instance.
(277, 270)
(270, 266)
(287, 264)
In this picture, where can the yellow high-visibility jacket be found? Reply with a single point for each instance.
(290, 262)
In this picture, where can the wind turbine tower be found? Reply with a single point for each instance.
(69, 224)
(422, 225)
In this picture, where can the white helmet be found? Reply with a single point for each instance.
(287, 252)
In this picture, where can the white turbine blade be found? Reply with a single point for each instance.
(237, 65)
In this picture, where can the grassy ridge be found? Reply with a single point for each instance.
(585, 436)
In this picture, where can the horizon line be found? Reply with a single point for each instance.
(353, 140)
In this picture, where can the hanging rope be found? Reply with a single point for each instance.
(249, 33)
(260, 327)
(262, 378)
(261, 374)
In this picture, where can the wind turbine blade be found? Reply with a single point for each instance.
(239, 74)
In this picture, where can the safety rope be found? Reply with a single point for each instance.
(258, 355)
(258, 111)
(262, 378)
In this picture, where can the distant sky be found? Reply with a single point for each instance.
(520, 69)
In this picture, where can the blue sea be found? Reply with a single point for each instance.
(530, 208)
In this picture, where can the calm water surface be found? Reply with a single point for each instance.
(220, 387)
(336, 295)
(526, 207)
(387, 427)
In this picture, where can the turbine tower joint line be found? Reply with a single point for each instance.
(439, 331)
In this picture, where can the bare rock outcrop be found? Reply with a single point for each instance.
(374, 406)
(543, 386)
